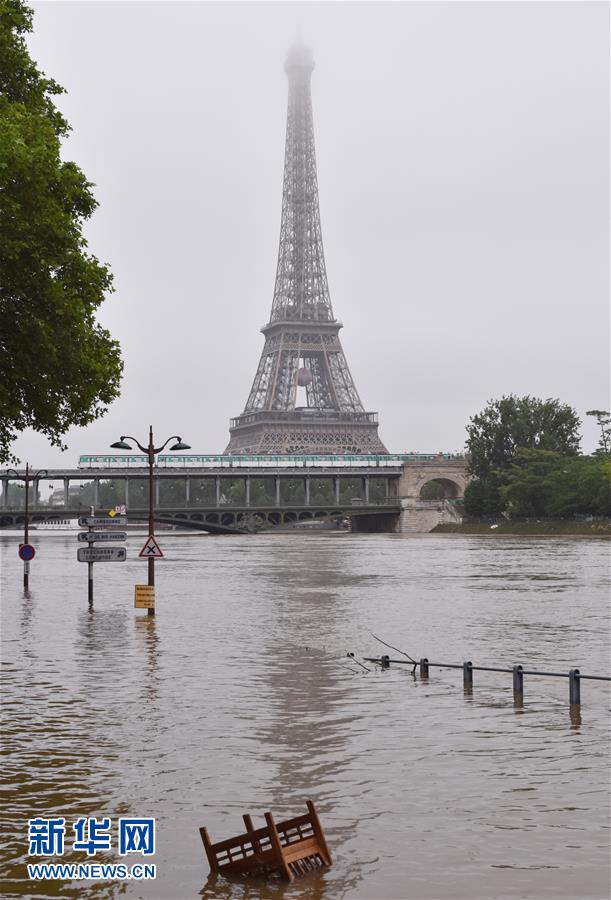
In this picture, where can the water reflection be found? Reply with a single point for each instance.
(147, 640)
(575, 716)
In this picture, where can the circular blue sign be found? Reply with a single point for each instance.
(26, 552)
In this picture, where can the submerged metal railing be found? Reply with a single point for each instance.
(518, 672)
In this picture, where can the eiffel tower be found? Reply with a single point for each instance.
(302, 360)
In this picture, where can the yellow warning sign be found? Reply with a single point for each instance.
(144, 596)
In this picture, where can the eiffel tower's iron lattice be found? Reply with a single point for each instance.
(302, 346)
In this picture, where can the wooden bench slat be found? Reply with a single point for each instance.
(250, 862)
(244, 838)
(293, 823)
(301, 849)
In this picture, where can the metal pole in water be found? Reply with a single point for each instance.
(467, 677)
(90, 565)
(574, 687)
(518, 686)
(424, 668)
(385, 662)
(26, 533)
(151, 560)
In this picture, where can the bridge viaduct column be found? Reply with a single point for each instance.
(127, 492)
(4, 498)
(187, 490)
(247, 490)
(307, 490)
(66, 492)
(96, 492)
(277, 490)
(366, 489)
(217, 486)
(336, 480)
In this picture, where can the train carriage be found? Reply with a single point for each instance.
(319, 461)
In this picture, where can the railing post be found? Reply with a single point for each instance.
(424, 668)
(467, 676)
(574, 687)
(518, 686)
(518, 680)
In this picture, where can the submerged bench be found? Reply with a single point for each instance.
(293, 847)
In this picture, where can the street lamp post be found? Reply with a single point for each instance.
(151, 451)
(26, 522)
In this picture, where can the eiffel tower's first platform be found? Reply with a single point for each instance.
(302, 361)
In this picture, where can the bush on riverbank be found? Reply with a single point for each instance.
(560, 527)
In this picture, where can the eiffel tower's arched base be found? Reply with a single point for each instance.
(293, 433)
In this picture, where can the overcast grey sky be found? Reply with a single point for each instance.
(463, 174)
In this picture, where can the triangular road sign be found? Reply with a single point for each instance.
(151, 549)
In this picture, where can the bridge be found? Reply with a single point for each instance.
(238, 495)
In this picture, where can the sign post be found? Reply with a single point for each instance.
(91, 554)
(26, 519)
(144, 596)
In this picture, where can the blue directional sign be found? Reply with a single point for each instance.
(26, 552)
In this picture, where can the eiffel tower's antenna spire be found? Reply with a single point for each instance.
(301, 290)
(302, 345)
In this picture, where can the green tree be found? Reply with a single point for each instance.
(544, 483)
(530, 483)
(603, 417)
(58, 366)
(495, 435)
(483, 498)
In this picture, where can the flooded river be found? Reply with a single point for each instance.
(237, 697)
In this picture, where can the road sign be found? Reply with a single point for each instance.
(144, 596)
(101, 520)
(101, 554)
(119, 510)
(151, 549)
(92, 536)
(26, 552)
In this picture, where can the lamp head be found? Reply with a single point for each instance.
(180, 446)
(121, 445)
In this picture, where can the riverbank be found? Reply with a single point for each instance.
(590, 529)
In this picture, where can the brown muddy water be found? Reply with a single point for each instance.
(215, 708)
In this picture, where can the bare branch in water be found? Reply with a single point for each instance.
(390, 646)
(354, 659)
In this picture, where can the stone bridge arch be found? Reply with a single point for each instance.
(447, 489)
(450, 473)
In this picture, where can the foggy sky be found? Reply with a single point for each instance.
(462, 159)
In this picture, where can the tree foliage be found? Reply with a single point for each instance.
(548, 484)
(58, 366)
(495, 435)
(603, 417)
(483, 498)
